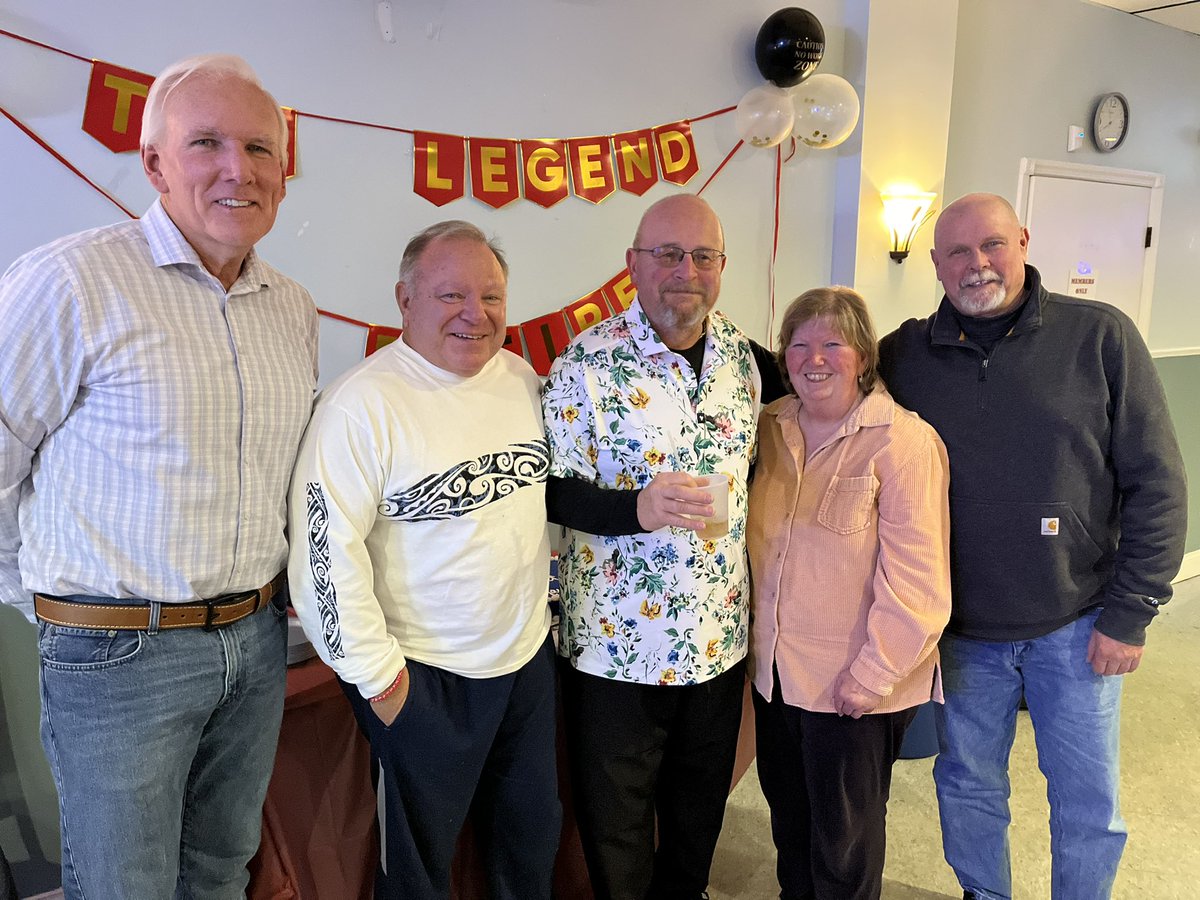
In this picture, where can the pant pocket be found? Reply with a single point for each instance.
(85, 649)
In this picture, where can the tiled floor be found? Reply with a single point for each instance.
(1160, 784)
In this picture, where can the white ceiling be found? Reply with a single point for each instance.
(1182, 15)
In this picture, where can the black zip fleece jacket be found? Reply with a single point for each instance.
(1067, 487)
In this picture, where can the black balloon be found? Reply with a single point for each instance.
(789, 46)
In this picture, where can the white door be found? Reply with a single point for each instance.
(1091, 232)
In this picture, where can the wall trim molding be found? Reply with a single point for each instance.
(1175, 351)
(1190, 567)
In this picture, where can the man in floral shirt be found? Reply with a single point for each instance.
(655, 624)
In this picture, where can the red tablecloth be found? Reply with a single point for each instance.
(320, 838)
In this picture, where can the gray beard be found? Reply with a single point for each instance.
(980, 306)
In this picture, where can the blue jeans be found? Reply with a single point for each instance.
(1076, 720)
(161, 746)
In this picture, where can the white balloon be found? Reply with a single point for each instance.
(765, 115)
(826, 111)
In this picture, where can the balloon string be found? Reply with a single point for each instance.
(774, 247)
(717, 170)
(62, 159)
(792, 151)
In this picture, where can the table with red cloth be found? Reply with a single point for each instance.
(320, 837)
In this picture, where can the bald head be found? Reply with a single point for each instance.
(687, 206)
(979, 251)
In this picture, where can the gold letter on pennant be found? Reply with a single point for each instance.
(634, 152)
(592, 168)
(112, 113)
(439, 167)
(545, 171)
(494, 171)
(676, 152)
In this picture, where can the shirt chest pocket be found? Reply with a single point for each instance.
(849, 504)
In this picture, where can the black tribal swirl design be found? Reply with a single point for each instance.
(318, 561)
(470, 485)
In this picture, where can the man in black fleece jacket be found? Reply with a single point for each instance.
(1068, 515)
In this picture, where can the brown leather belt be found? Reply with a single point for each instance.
(224, 610)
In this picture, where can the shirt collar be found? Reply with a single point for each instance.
(168, 247)
(877, 408)
(648, 343)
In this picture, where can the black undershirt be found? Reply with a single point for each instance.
(695, 356)
(988, 332)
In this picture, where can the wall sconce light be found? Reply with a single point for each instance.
(904, 213)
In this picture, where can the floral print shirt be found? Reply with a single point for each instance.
(665, 607)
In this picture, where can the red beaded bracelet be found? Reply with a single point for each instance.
(391, 689)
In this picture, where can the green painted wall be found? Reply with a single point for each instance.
(1181, 378)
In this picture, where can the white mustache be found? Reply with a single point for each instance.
(981, 278)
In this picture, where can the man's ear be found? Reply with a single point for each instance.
(402, 297)
(152, 165)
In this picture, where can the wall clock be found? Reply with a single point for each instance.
(1110, 122)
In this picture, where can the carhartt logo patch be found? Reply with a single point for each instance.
(1050, 526)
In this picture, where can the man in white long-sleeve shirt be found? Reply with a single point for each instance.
(419, 569)
(155, 379)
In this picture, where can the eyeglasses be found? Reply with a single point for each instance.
(670, 257)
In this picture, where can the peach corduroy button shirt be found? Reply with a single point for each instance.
(849, 555)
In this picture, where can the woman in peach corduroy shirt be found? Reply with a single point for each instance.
(848, 534)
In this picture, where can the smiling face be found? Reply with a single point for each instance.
(454, 305)
(824, 369)
(677, 299)
(979, 251)
(219, 168)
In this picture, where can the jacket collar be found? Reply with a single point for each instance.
(944, 328)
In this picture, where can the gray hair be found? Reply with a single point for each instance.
(451, 228)
(208, 65)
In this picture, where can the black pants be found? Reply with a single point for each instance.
(464, 745)
(637, 750)
(827, 778)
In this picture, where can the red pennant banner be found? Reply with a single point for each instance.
(289, 116)
(636, 170)
(539, 340)
(545, 338)
(112, 113)
(494, 171)
(592, 168)
(619, 291)
(545, 164)
(676, 152)
(512, 340)
(587, 311)
(379, 336)
(439, 167)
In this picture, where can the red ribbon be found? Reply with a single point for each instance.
(26, 40)
(62, 159)
(774, 249)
